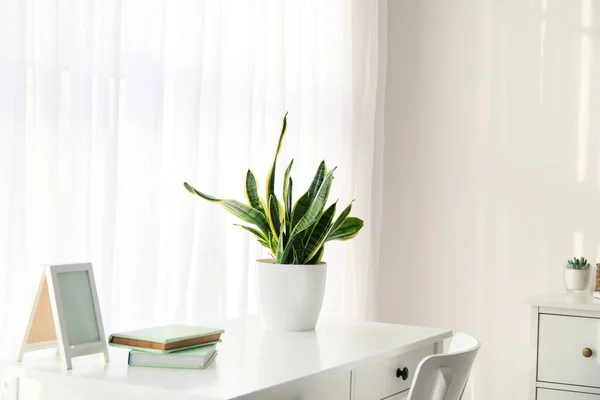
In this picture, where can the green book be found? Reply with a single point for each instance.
(197, 358)
(166, 339)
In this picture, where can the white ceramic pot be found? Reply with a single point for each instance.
(290, 296)
(576, 280)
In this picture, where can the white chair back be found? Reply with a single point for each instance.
(444, 376)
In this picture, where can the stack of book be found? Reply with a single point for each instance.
(170, 346)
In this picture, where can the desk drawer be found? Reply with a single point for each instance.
(399, 396)
(560, 345)
(378, 380)
(333, 384)
(547, 394)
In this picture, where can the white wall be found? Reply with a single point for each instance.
(492, 168)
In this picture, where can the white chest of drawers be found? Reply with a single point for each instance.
(344, 360)
(566, 347)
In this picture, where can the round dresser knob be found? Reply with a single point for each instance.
(587, 352)
(402, 373)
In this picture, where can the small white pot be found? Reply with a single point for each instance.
(576, 280)
(290, 296)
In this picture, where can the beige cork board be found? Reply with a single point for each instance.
(42, 327)
(66, 314)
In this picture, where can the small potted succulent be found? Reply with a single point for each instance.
(577, 274)
(290, 285)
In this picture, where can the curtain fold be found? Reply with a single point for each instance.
(107, 107)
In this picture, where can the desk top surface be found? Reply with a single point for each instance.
(249, 359)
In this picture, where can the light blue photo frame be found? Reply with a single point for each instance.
(73, 297)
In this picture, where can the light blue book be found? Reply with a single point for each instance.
(197, 358)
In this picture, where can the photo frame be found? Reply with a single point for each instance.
(66, 314)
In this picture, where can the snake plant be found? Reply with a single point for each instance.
(577, 263)
(295, 233)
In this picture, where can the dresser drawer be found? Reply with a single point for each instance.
(547, 394)
(560, 345)
(378, 380)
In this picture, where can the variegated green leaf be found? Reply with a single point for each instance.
(319, 233)
(208, 197)
(317, 181)
(252, 192)
(349, 229)
(246, 213)
(272, 242)
(311, 228)
(342, 217)
(288, 204)
(299, 246)
(288, 254)
(259, 235)
(318, 257)
(271, 176)
(240, 210)
(286, 177)
(287, 195)
(316, 207)
(274, 216)
(280, 247)
(299, 210)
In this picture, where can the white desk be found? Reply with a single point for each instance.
(338, 361)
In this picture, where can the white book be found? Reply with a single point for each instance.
(196, 358)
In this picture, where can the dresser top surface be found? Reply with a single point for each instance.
(572, 301)
(250, 359)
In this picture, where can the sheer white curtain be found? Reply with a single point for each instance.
(107, 106)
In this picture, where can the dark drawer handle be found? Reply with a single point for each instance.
(402, 373)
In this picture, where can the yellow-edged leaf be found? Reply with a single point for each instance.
(316, 207)
(274, 216)
(318, 257)
(319, 234)
(280, 247)
(299, 209)
(272, 243)
(259, 235)
(288, 254)
(287, 193)
(239, 209)
(348, 230)
(342, 217)
(288, 204)
(317, 181)
(271, 176)
(251, 190)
